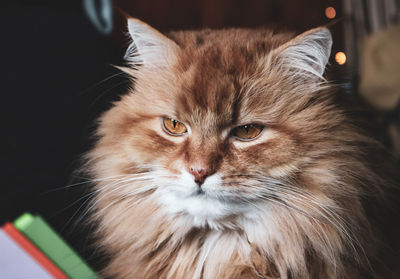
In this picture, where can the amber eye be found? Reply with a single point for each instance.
(247, 132)
(174, 127)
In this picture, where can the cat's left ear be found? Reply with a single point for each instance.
(149, 47)
(308, 53)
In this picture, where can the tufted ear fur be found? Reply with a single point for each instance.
(307, 54)
(149, 47)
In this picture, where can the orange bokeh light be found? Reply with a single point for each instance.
(340, 58)
(330, 12)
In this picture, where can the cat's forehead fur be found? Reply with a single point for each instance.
(215, 67)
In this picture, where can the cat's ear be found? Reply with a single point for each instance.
(149, 47)
(308, 53)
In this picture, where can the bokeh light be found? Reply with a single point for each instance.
(340, 58)
(330, 12)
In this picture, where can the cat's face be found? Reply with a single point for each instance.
(218, 126)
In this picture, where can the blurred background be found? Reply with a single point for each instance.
(57, 77)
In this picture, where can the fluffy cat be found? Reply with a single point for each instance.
(228, 158)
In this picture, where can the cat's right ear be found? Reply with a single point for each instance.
(305, 55)
(149, 48)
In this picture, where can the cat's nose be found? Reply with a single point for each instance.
(199, 175)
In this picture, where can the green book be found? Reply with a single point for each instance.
(51, 244)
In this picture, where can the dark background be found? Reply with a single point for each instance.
(57, 77)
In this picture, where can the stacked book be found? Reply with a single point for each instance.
(30, 248)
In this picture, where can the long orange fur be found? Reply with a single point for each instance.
(309, 199)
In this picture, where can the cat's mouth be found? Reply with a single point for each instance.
(203, 195)
(199, 192)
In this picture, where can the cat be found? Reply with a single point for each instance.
(229, 158)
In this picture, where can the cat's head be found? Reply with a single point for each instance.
(220, 124)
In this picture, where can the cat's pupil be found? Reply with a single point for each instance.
(174, 122)
(247, 128)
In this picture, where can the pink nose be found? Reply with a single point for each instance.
(199, 175)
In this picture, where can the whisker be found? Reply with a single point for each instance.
(102, 81)
(88, 181)
(115, 180)
(121, 184)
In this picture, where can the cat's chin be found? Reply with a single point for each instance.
(200, 208)
(203, 207)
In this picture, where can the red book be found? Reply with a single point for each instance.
(33, 251)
